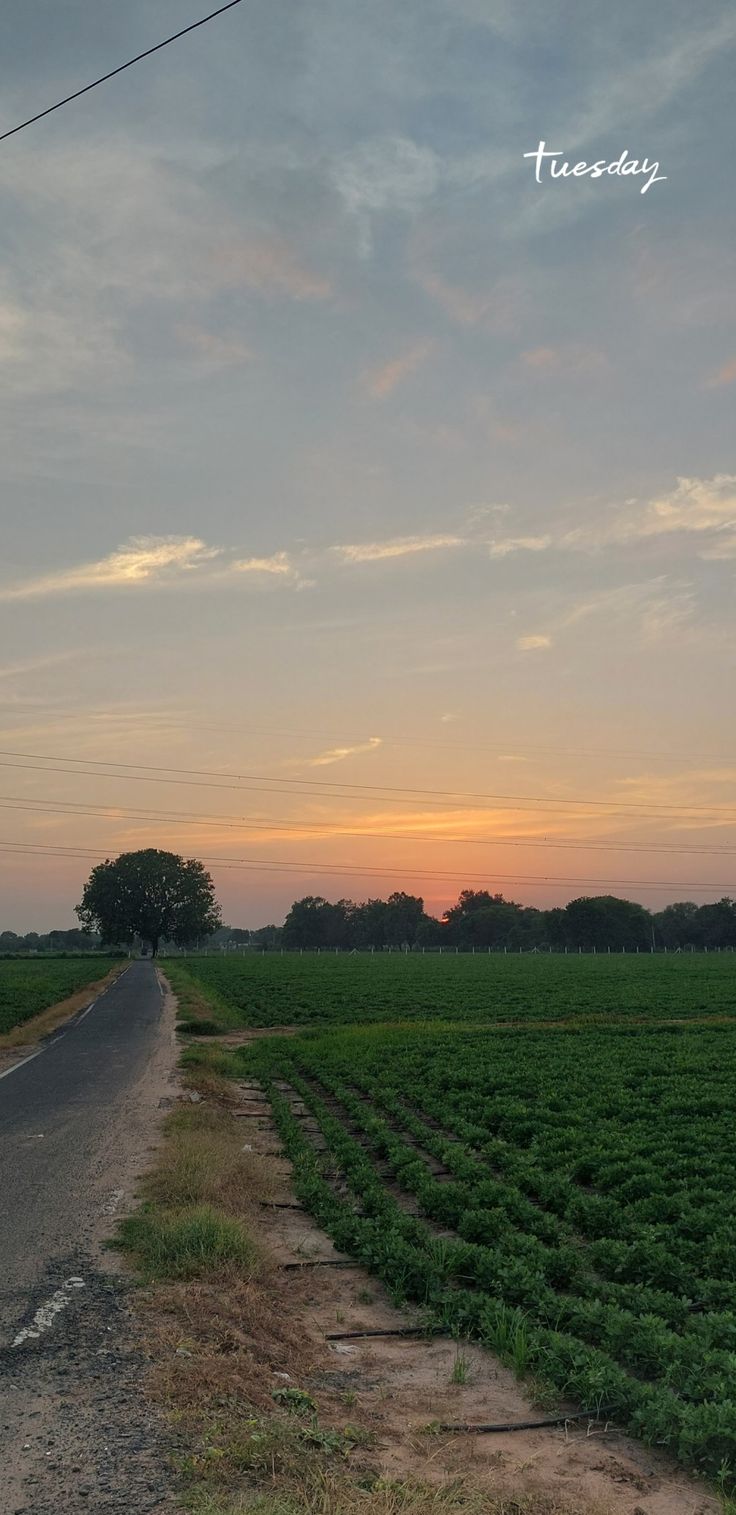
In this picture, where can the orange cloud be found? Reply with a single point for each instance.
(533, 643)
(270, 266)
(724, 375)
(381, 382)
(395, 547)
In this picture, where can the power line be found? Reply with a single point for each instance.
(325, 828)
(386, 793)
(121, 69)
(343, 870)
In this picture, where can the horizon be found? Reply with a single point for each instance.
(371, 500)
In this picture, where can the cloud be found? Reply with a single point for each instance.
(270, 266)
(693, 506)
(386, 173)
(726, 374)
(655, 608)
(338, 754)
(533, 643)
(396, 547)
(279, 566)
(381, 382)
(498, 308)
(506, 545)
(142, 560)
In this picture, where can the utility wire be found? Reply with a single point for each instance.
(335, 830)
(343, 870)
(384, 792)
(121, 69)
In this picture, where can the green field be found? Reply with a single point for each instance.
(28, 986)
(540, 1161)
(270, 990)
(565, 1196)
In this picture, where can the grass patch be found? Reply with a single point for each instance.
(198, 1200)
(188, 1243)
(208, 1059)
(201, 1012)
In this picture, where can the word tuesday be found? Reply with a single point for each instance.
(622, 166)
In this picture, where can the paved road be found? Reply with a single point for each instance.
(76, 1122)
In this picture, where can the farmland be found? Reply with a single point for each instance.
(538, 1151)
(273, 990)
(28, 986)
(563, 1195)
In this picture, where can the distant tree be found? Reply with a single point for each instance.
(403, 916)
(717, 923)
(368, 924)
(150, 894)
(603, 921)
(266, 936)
(314, 922)
(678, 925)
(481, 919)
(556, 926)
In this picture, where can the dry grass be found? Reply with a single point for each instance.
(49, 1020)
(221, 1340)
(331, 1494)
(202, 1162)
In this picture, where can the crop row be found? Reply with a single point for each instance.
(665, 1388)
(565, 1193)
(650, 1189)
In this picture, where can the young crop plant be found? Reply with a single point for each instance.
(540, 1191)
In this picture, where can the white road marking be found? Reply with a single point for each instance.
(22, 1064)
(46, 1315)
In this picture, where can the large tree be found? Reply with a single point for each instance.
(157, 896)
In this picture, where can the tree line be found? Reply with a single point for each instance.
(480, 919)
(74, 941)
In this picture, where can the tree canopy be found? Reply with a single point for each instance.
(157, 896)
(483, 920)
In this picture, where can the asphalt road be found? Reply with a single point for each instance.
(76, 1122)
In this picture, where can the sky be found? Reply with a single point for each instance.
(369, 508)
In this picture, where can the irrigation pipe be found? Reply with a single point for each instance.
(524, 1425)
